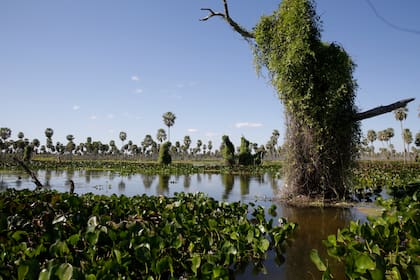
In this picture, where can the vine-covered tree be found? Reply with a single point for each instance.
(244, 156)
(228, 151)
(169, 120)
(164, 155)
(314, 80)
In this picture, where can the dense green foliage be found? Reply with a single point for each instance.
(245, 157)
(371, 178)
(314, 81)
(228, 151)
(164, 155)
(386, 247)
(54, 235)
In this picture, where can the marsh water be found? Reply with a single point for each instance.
(314, 224)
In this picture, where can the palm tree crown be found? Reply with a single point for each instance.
(169, 120)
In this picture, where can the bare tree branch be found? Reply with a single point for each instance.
(382, 109)
(30, 173)
(242, 31)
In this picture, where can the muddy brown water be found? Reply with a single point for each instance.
(314, 224)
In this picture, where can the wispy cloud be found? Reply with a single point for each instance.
(76, 107)
(248, 124)
(135, 78)
(93, 117)
(192, 130)
(139, 90)
(110, 116)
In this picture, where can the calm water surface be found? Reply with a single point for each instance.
(315, 224)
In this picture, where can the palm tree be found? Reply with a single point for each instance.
(21, 135)
(5, 133)
(123, 137)
(161, 135)
(70, 147)
(187, 143)
(169, 120)
(417, 141)
(49, 132)
(400, 115)
(371, 137)
(408, 139)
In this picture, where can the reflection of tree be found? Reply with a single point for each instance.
(274, 183)
(121, 186)
(209, 177)
(163, 185)
(244, 181)
(198, 178)
(147, 180)
(19, 183)
(88, 175)
(3, 185)
(315, 224)
(228, 180)
(70, 174)
(47, 179)
(187, 181)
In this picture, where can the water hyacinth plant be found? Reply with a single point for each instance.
(51, 235)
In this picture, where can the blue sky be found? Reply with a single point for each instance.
(98, 67)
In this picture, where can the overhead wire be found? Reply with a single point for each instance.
(390, 24)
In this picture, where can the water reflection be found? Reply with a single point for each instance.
(315, 224)
(228, 181)
(121, 186)
(187, 182)
(244, 181)
(163, 185)
(147, 180)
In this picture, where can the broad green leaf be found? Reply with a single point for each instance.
(264, 244)
(72, 240)
(44, 274)
(18, 235)
(317, 260)
(64, 271)
(117, 254)
(363, 262)
(196, 262)
(23, 269)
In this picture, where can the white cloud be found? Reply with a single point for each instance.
(110, 116)
(139, 90)
(247, 124)
(135, 78)
(192, 130)
(76, 107)
(93, 117)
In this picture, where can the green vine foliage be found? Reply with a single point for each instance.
(164, 155)
(314, 81)
(245, 157)
(228, 151)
